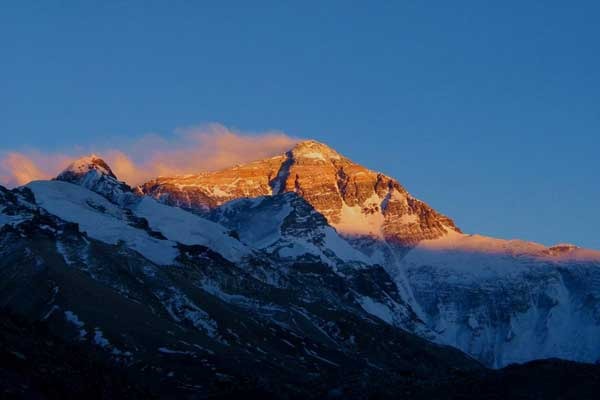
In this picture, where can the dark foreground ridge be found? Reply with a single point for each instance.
(34, 364)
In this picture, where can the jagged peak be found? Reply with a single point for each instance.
(86, 164)
(93, 173)
(314, 149)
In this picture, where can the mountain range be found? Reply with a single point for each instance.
(297, 276)
(499, 301)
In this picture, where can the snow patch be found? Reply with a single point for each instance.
(74, 319)
(362, 221)
(314, 155)
(166, 350)
(180, 307)
(62, 250)
(10, 219)
(376, 309)
(99, 339)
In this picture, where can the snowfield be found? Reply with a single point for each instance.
(186, 228)
(105, 221)
(100, 219)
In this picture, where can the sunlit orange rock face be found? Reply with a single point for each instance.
(354, 199)
(208, 190)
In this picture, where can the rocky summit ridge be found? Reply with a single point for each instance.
(357, 201)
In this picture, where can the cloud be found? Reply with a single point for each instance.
(20, 168)
(186, 151)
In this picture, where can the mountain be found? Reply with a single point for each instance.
(190, 310)
(267, 296)
(500, 301)
(354, 200)
(94, 173)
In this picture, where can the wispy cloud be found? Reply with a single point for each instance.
(187, 151)
(18, 168)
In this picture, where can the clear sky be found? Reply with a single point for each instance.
(489, 111)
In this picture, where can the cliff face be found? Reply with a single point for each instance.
(358, 202)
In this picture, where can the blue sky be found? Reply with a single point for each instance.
(489, 112)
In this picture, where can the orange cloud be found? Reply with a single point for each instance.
(188, 151)
(18, 168)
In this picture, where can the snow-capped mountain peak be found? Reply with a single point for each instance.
(314, 150)
(84, 165)
(93, 173)
(358, 202)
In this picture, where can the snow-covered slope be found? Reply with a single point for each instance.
(100, 219)
(286, 226)
(187, 228)
(89, 194)
(508, 301)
